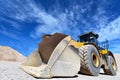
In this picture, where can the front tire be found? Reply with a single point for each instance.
(90, 60)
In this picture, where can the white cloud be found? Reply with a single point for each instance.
(114, 46)
(107, 29)
(68, 22)
(20, 17)
(49, 24)
(8, 32)
(12, 23)
(110, 30)
(65, 22)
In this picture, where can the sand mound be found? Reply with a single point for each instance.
(9, 54)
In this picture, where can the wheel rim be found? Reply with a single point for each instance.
(114, 65)
(95, 60)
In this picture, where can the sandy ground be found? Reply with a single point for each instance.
(11, 71)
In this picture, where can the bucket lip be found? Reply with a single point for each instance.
(36, 71)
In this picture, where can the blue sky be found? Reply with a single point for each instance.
(23, 22)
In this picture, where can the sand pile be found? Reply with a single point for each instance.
(9, 54)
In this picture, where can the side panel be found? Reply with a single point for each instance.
(76, 44)
(68, 63)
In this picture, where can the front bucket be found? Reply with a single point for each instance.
(55, 57)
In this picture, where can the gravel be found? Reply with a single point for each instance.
(11, 71)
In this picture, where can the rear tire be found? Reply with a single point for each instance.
(112, 66)
(90, 60)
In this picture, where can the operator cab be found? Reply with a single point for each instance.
(89, 37)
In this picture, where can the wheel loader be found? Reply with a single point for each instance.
(58, 55)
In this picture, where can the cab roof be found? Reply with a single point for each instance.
(89, 34)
